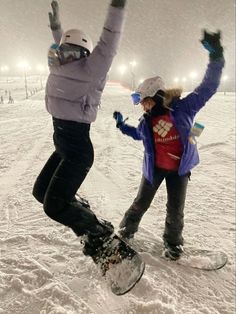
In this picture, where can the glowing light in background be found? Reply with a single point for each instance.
(4, 69)
(122, 69)
(224, 79)
(176, 80)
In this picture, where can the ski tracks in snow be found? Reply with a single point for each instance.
(21, 146)
(42, 268)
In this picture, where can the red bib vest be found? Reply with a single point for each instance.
(168, 147)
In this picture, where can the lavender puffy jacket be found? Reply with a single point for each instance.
(74, 90)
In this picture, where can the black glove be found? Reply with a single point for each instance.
(119, 118)
(54, 16)
(118, 3)
(211, 41)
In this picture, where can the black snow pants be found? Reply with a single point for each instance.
(176, 187)
(63, 174)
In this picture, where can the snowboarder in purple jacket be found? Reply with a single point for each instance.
(73, 94)
(168, 135)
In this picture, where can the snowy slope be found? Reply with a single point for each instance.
(42, 269)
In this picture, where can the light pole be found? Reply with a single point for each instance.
(132, 66)
(4, 69)
(224, 78)
(40, 69)
(184, 81)
(24, 65)
(192, 75)
(122, 69)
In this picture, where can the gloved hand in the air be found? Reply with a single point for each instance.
(54, 16)
(119, 118)
(118, 3)
(211, 41)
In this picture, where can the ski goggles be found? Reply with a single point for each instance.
(136, 98)
(58, 55)
(68, 51)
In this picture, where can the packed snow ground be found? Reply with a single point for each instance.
(42, 268)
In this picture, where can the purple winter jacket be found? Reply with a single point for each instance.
(74, 90)
(184, 111)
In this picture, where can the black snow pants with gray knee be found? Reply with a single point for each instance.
(176, 187)
(63, 174)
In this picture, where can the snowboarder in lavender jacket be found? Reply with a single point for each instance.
(73, 93)
(168, 135)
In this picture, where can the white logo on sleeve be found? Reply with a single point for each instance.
(162, 128)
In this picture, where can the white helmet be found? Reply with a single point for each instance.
(148, 89)
(77, 37)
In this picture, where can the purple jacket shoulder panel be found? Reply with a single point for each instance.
(74, 90)
(182, 115)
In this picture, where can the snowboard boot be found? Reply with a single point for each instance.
(107, 251)
(129, 225)
(94, 240)
(82, 201)
(173, 252)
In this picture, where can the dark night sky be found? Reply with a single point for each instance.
(161, 35)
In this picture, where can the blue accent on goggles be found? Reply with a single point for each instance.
(54, 46)
(136, 98)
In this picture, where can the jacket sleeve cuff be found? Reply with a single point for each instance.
(220, 61)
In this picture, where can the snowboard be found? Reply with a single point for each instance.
(120, 264)
(203, 259)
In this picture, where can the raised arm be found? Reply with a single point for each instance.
(55, 23)
(100, 60)
(211, 80)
